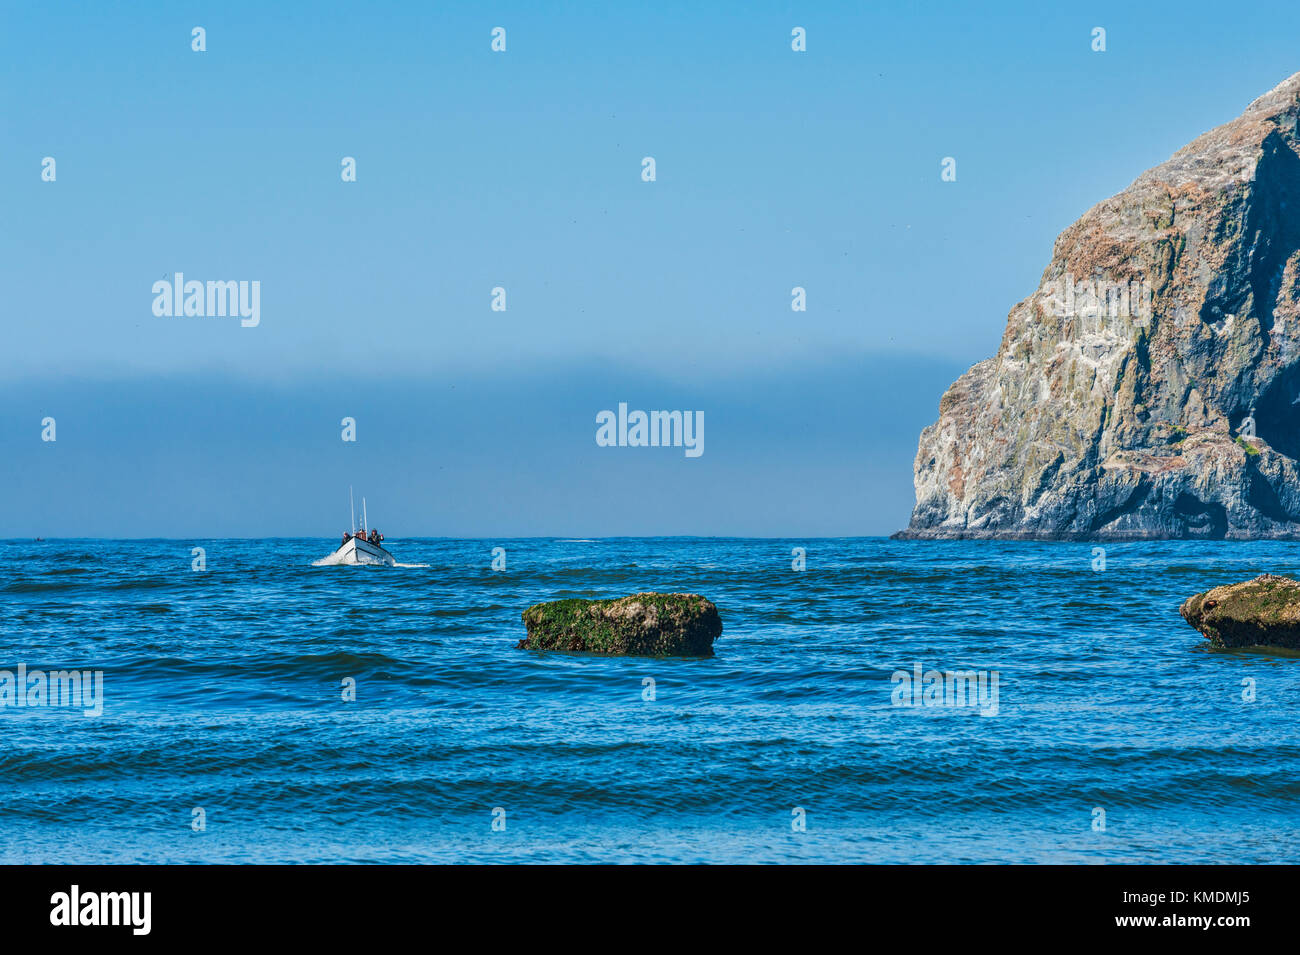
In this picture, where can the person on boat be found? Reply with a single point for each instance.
(346, 537)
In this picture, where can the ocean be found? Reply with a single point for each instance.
(226, 734)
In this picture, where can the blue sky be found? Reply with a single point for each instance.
(522, 170)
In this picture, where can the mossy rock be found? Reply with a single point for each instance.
(1264, 612)
(640, 625)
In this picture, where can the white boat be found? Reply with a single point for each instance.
(358, 549)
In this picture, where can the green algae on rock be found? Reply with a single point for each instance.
(1264, 612)
(648, 624)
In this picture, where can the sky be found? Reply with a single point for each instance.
(523, 170)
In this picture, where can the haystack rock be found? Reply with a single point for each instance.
(1150, 388)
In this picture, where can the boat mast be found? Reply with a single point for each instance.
(364, 520)
(353, 508)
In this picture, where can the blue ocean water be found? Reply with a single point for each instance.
(223, 692)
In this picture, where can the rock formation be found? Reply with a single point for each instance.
(1264, 612)
(1151, 387)
(641, 625)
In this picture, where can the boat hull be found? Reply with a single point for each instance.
(358, 551)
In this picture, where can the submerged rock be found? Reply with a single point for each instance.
(1264, 612)
(1150, 388)
(640, 625)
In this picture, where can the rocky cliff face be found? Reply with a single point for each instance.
(1151, 387)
